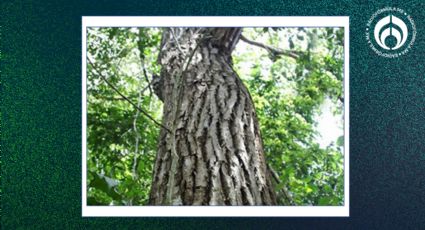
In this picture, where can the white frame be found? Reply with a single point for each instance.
(224, 211)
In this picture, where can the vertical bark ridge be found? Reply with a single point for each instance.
(201, 140)
(228, 144)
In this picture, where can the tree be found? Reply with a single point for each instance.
(210, 150)
(292, 74)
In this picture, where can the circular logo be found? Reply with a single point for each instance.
(391, 32)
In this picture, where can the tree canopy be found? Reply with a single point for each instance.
(293, 75)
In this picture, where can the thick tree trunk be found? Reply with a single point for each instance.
(212, 152)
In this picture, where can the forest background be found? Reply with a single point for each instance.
(298, 96)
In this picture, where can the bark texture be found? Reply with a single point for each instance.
(212, 152)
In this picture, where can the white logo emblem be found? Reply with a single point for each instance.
(393, 32)
(399, 34)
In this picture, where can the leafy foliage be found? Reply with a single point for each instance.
(289, 94)
(121, 142)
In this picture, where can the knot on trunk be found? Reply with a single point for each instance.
(158, 85)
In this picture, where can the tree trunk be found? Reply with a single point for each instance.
(211, 152)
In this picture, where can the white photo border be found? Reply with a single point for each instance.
(217, 211)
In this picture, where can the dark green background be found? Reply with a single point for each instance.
(41, 116)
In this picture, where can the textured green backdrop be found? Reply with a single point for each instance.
(41, 116)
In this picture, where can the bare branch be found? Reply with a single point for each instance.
(126, 98)
(137, 137)
(284, 189)
(110, 98)
(176, 41)
(142, 62)
(190, 57)
(147, 79)
(273, 50)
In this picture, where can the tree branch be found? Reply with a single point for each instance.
(110, 98)
(284, 189)
(176, 41)
(190, 57)
(147, 79)
(142, 62)
(126, 98)
(273, 50)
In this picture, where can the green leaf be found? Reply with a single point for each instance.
(340, 141)
(291, 44)
(106, 185)
(93, 201)
(325, 201)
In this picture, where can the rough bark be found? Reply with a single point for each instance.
(212, 152)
